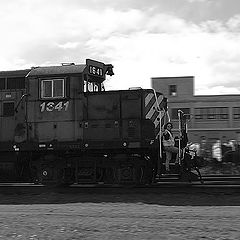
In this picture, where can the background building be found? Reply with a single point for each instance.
(212, 117)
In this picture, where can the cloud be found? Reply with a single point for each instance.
(234, 23)
(68, 45)
(196, 1)
(139, 43)
(218, 90)
(193, 1)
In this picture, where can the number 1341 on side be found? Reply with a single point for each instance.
(53, 106)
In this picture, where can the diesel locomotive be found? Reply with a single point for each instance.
(59, 125)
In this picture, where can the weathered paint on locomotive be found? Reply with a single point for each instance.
(92, 119)
(119, 127)
(55, 119)
(12, 121)
(118, 117)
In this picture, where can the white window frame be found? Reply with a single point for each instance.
(52, 84)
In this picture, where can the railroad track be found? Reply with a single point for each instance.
(173, 180)
(29, 193)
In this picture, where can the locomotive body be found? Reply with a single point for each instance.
(59, 125)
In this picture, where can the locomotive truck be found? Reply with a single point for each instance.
(59, 125)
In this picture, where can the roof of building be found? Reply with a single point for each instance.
(223, 97)
(180, 77)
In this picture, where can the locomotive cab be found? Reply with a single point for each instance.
(56, 100)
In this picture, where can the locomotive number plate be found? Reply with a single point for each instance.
(95, 71)
(54, 106)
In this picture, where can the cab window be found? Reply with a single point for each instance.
(93, 87)
(52, 88)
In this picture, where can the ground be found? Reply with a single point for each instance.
(118, 215)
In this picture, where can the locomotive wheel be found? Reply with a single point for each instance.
(99, 174)
(126, 174)
(66, 177)
(109, 175)
(48, 176)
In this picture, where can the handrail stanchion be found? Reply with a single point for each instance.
(180, 135)
(159, 136)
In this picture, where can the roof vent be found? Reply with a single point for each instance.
(135, 88)
(68, 64)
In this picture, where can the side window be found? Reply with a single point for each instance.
(52, 88)
(93, 87)
(90, 87)
(16, 83)
(8, 109)
(211, 113)
(2, 83)
(85, 86)
(236, 113)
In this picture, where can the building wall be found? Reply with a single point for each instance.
(184, 86)
(212, 117)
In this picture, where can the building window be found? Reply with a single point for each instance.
(222, 112)
(8, 109)
(236, 113)
(52, 88)
(175, 112)
(198, 113)
(211, 113)
(172, 90)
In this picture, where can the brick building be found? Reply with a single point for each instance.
(212, 117)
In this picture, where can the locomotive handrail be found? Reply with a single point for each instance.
(160, 122)
(180, 134)
(160, 131)
(22, 97)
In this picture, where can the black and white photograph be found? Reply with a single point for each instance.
(120, 119)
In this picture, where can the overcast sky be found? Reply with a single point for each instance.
(141, 38)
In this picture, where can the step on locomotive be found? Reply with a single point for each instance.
(58, 125)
